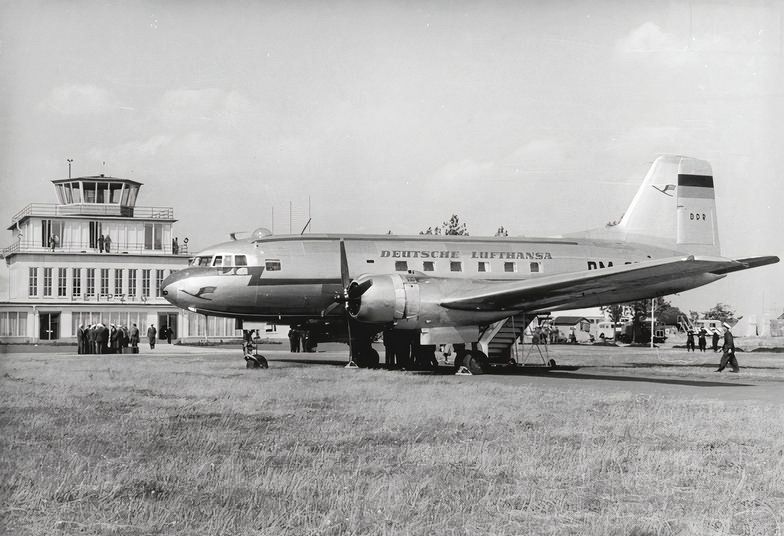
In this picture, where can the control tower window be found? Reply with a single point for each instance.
(114, 192)
(77, 192)
(89, 192)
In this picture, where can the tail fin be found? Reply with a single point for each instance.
(675, 207)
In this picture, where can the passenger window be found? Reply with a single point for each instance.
(401, 266)
(428, 266)
(534, 267)
(272, 265)
(240, 260)
(510, 267)
(218, 260)
(483, 266)
(227, 261)
(456, 266)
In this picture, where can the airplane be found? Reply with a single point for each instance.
(464, 290)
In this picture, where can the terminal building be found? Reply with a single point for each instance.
(95, 257)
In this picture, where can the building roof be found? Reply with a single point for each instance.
(569, 320)
(97, 178)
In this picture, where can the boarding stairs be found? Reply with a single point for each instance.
(497, 340)
(685, 324)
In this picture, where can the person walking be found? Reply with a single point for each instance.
(729, 351)
(690, 341)
(133, 338)
(701, 340)
(151, 333)
(715, 340)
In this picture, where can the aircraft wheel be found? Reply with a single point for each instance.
(551, 363)
(476, 362)
(367, 358)
(251, 364)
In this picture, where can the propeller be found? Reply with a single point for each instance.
(345, 279)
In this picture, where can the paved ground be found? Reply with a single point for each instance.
(665, 371)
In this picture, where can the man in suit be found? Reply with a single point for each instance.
(151, 333)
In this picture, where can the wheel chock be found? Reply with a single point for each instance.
(463, 371)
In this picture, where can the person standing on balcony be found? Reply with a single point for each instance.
(175, 247)
(107, 243)
(100, 244)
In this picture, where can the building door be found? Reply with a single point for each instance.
(50, 326)
(166, 321)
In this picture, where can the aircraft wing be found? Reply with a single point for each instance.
(602, 286)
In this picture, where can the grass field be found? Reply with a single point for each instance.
(197, 444)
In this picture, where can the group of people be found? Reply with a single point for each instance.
(105, 243)
(299, 341)
(701, 340)
(99, 338)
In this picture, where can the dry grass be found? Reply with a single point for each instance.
(189, 445)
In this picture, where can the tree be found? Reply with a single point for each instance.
(451, 227)
(720, 311)
(615, 312)
(454, 226)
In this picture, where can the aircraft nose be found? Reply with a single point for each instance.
(170, 285)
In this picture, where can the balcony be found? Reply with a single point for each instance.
(50, 210)
(130, 248)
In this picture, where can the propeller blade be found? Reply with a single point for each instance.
(357, 290)
(344, 275)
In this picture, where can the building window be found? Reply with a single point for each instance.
(104, 281)
(62, 282)
(145, 283)
(132, 283)
(32, 282)
(51, 233)
(47, 281)
(428, 266)
(401, 266)
(158, 283)
(483, 266)
(95, 233)
(510, 267)
(535, 267)
(153, 236)
(118, 281)
(455, 266)
(13, 324)
(272, 265)
(90, 290)
(77, 282)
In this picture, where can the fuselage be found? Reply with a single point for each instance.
(292, 277)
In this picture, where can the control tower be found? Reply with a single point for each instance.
(92, 257)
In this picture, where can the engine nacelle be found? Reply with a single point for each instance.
(388, 298)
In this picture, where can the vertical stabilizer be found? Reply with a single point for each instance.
(675, 207)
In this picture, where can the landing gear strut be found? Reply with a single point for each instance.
(253, 360)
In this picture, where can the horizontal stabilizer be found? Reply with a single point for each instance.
(749, 262)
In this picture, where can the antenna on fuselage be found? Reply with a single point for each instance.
(306, 226)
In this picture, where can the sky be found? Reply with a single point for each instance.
(377, 116)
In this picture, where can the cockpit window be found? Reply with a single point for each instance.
(204, 261)
(240, 260)
(218, 260)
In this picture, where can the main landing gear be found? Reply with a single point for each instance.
(363, 355)
(471, 362)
